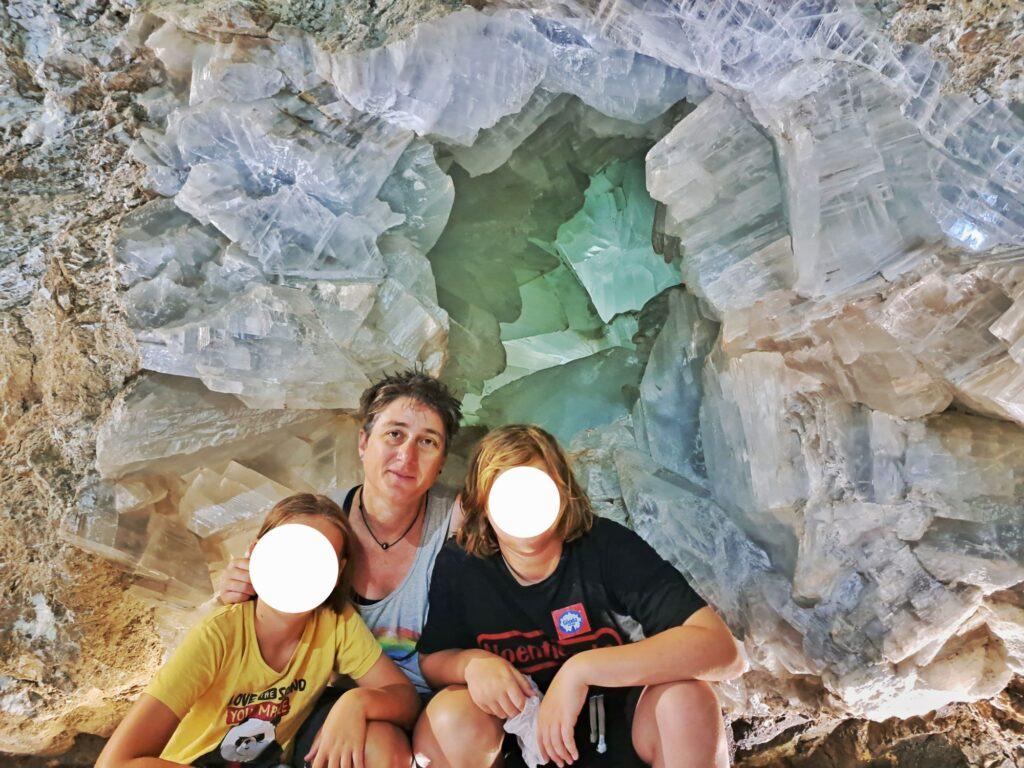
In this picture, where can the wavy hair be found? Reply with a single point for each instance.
(513, 446)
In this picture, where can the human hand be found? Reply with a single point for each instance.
(234, 584)
(342, 738)
(556, 718)
(498, 688)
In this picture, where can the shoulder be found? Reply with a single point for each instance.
(613, 542)
(227, 620)
(452, 554)
(339, 629)
(440, 502)
(217, 631)
(327, 616)
(341, 496)
(455, 563)
(605, 532)
(442, 498)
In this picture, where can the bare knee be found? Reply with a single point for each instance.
(693, 699)
(387, 746)
(680, 721)
(454, 714)
(453, 731)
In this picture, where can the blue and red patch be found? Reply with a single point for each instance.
(571, 621)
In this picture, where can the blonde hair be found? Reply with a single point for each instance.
(514, 446)
(315, 505)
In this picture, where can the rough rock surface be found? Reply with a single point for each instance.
(981, 39)
(67, 353)
(75, 646)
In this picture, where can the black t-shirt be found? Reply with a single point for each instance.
(610, 588)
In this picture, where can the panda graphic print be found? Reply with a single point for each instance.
(250, 744)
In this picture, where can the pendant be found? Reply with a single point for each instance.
(385, 545)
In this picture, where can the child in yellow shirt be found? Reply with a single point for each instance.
(237, 689)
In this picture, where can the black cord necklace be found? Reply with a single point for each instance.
(383, 544)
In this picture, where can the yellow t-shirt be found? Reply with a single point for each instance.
(235, 709)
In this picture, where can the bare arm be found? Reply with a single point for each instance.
(141, 737)
(495, 686)
(385, 693)
(449, 667)
(702, 648)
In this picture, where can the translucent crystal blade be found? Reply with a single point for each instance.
(670, 391)
(167, 424)
(607, 244)
(855, 171)
(569, 398)
(715, 173)
(217, 499)
(470, 69)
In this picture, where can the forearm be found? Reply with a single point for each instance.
(140, 737)
(137, 762)
(680, 653)
(396, 703)
(449, 667)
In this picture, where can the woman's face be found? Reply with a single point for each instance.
(533, 542)
(404, 451)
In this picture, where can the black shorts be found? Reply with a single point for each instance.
(619, 708)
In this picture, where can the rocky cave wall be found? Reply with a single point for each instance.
(769, 254)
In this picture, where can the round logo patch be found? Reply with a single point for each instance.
(570, 622)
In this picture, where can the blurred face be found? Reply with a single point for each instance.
(304, 585)
(327, 528)
(404, 452)
(533, 542)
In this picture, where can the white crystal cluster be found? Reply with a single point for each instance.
(285, 261)
(789, 50)
(454, 77)
(748, 258)
(188, 475)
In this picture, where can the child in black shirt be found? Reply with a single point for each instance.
(586, 604)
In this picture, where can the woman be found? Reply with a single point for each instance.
(238, 688)
(586, 604)
(399, 522)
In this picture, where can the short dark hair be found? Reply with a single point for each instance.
(418, 386)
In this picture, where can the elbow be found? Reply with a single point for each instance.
(412, 709)
(735, 663)
(107, 760)
(408, 713)
(726, 659)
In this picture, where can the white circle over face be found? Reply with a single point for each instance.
(293, 568)
(523, 502)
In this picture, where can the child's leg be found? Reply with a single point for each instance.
(387, 745)
(680, 724)
(453, 732)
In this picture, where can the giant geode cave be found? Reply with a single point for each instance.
(759, 264)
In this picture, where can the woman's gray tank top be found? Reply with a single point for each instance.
(397, 619)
